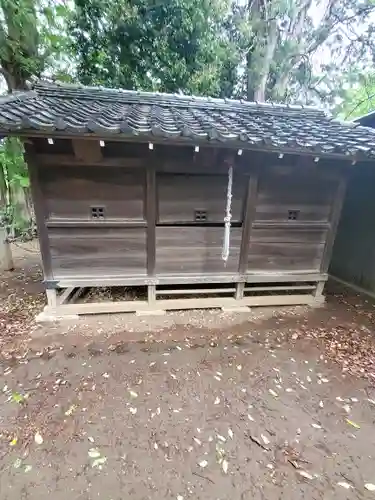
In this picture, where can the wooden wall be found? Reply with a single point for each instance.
(162, 212)
(353, 258)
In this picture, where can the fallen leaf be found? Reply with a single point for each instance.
(91, 439)
(272, 392)
(105, 375)
(250, 418)
(70, 410)
(203, 464)
(370, 486)
(239, 367)
(133, 411)
(98, 462)
(353, 424)
(316, 426)
(198, 441)
(217, 401)
(230, 433)
(217, 378)
(221, 438)
(345, 485)
(17, 463)
(18, 398)
(14, 441)
(180, 497)
(305, 474)
(321, 404)
(225, 466)
(28, 468)
(93, 453)
(38, 438)
(265, 439)
(133, 394)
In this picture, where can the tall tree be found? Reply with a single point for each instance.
(160, 45)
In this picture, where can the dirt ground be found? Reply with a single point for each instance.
(203, 405)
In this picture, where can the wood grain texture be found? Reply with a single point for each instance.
(311, 194)
(40, 209)
(181, 250)
(94, 252)
(180, 195)
(71, 192)
(285, 256)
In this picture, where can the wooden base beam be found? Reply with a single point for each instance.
(177, 304)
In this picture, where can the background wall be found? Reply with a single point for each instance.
(353, 257)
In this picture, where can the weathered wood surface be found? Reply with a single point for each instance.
(195, 250)
(179, 196)
(85, 252)
(175, 304)
(70, 193)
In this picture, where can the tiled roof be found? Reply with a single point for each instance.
(60, 109)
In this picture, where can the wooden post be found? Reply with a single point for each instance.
(151, 294)
(335, 218)
(251, 199)
(6, 260)
(239, 291)
(51, 297)
(151, 219)
(40, 211)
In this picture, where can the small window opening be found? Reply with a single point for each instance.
(97, 213)
(200, 215)
(293, 214)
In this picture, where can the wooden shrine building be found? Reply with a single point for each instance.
(202, 202)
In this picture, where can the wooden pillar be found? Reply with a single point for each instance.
(239, 291)
(151, 294)
(51, 297)
(249, 214)
(151, 217)
(334, 222)
(39, 210)
(6, 260)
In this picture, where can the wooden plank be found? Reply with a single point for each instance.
(40, 210)
(335, 218)
(192, 291)
(151, 220)
(279, 288)
(87, 151)
(64, 160)
(64, 296)
(182, 250)
(71, 193)
(285, 256)
(289, 234)
(180, 196)
(250, 207)
(102, 224)
(94, 252)
(283, 277)
(176, 304)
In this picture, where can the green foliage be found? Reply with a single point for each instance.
(169, 46)
(357, 99)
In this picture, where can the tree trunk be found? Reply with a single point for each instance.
(3, 189)
(271, 40)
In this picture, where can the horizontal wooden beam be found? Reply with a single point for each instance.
(84, 281)
(176, 141)
(72, 161)
(94, 223)
(195, 291)
(176, 304)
